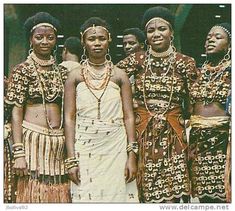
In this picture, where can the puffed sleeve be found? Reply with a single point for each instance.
(17, 90)
(192, 72)
(64, 72)
(130, 64)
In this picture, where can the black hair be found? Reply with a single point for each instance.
(136, 32)
(40, 17)
(73, 44)
(161, 12)
(226, 27)
(97, 21)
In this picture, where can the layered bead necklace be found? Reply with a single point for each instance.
(213, 78)
(90, 74)
(51, 83)
(149, 62)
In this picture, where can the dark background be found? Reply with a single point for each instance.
(192, 35)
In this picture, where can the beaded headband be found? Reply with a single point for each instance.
(157, 18)
(43, 24)
(93, 27)
(226, 30)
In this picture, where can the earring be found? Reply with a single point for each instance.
(107, 56)
(227, 55)
(83, 56)
(55, 52)
(30, 49)
(172, 43)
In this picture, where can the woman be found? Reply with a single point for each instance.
(99, 123)
(209, 136)
(162, 80)
(35, 92)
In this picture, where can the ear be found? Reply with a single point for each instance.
(142, 45)
(30, 42)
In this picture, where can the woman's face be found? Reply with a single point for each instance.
(43, 41)
(217, 41)
(159, 35)
(96, 42)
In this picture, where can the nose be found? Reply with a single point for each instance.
(211, 39)
(128, 46)
(97, 42)
(44, 40)
(156, 33)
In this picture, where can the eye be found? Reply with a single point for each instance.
(132, 43)
(162, 28)
(91, 38)
(150, 30)
(51, 37)
(103, 38)
(38, 37)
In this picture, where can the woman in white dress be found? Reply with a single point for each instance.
(99, 123)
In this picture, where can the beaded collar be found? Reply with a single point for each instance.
(42, 62)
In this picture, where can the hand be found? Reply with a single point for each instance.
(20, 167)
(74, 175)
(131, 167)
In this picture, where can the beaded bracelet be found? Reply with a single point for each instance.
(132, 146)
(71, 162)
(18, 150)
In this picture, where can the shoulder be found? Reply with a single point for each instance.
(184, 58)
(119, 72)
(75, 74)
(22, 69)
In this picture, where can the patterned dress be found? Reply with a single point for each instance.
(161, 88)
(209, 137)
(44, 148)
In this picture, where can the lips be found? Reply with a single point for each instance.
(157, 41)
(97, 50)
(210, 47)
(44, 48)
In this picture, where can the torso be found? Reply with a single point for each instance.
(208, 94)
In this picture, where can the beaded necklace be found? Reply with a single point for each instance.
(103, 77)
(149, 68)
(103, 85)
(213, 76)
(50, 97)
(41, 62)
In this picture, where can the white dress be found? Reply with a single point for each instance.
(101, 146)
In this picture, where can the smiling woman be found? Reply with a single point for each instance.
(162, 79)
(99, 123)
(35, 95)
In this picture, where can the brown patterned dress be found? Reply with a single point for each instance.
(161, 88)
(209, 138)
(44, 148)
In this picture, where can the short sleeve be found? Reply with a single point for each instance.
(63, 72)
(17, 89)
(129, 65)
(191, 71)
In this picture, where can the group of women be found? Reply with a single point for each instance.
(77, 138)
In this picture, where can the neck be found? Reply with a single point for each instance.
(215, 59)
(97, 62)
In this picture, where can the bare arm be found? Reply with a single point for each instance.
(20, 165)
(129, 120)
(70, 113)
(70, 118)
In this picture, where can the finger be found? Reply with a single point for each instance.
(21, 172)
(126, 173)
(25, 172)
